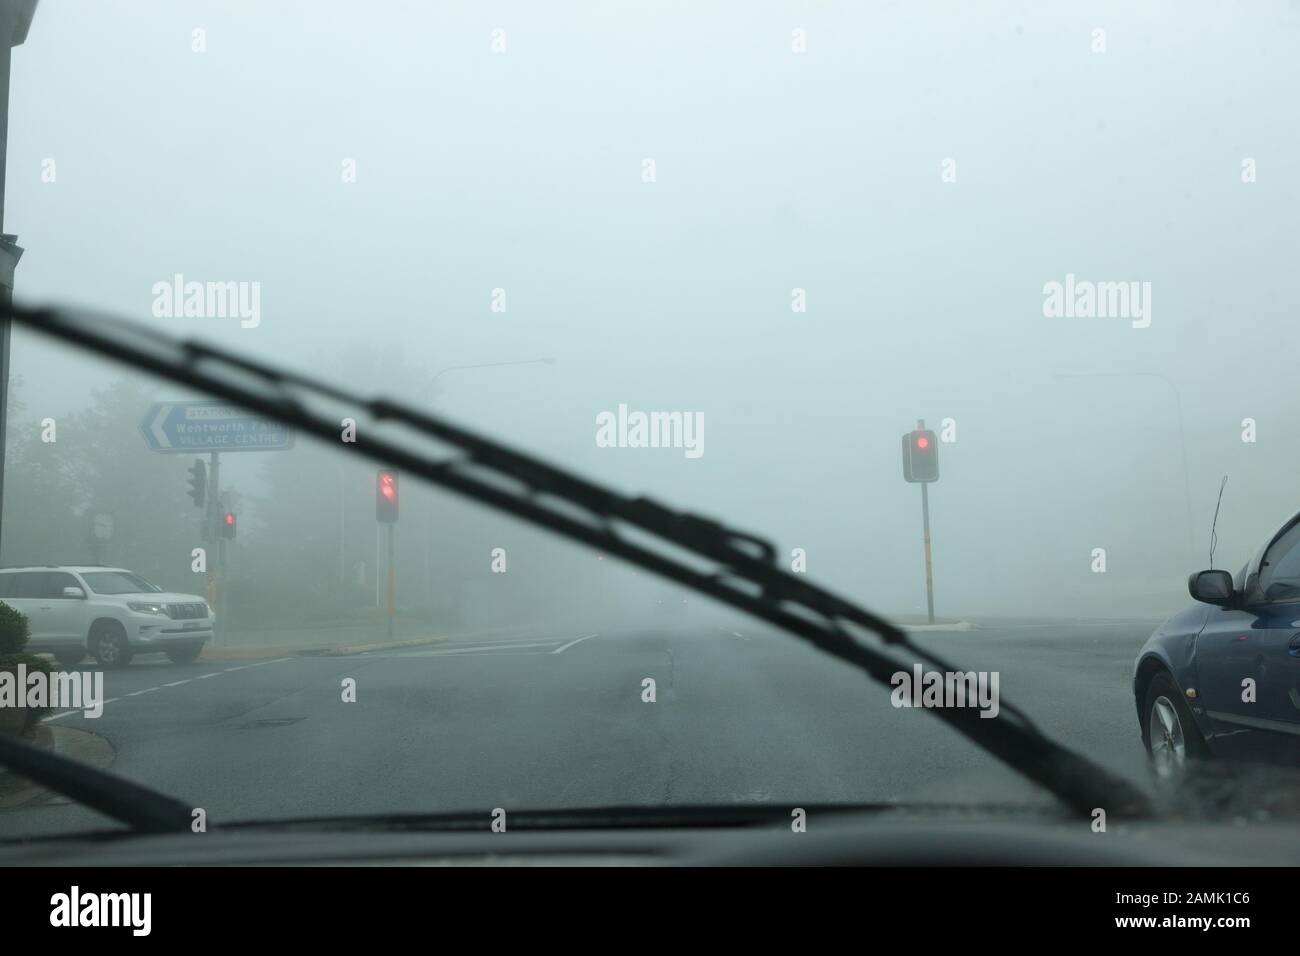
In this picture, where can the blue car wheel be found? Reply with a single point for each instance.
(1170, 734)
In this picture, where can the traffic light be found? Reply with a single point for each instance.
(228, 525)
(920, 456)
(386, 496)
(198, 482)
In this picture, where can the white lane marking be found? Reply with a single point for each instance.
(239, 668)
(561, 650)
(150, 690)
(68, 713)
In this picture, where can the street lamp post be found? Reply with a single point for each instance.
(546, 360)
(15, 20)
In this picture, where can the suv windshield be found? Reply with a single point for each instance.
(117, 582)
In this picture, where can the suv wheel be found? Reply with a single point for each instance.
(70, 657)
(186, 654)
(108, 644)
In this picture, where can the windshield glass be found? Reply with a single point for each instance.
(875, 283)
(117, 582)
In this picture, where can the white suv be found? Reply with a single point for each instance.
(110, 612)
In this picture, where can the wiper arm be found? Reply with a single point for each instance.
(744, 572)
(144, 810)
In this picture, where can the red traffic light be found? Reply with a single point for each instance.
(920, 456)
(386, 496)
(230, 519)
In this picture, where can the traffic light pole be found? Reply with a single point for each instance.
(921, 466)
(214, 542)
(392, 579)
(929, 573)
(386, 514)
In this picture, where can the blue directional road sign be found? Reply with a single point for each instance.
(189, 427)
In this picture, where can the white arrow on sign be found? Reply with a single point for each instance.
(156, 429)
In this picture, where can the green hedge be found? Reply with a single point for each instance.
(14, 630)
(14, 634)
(9, 663)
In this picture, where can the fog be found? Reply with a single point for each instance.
(915, 177)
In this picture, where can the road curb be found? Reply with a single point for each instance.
(255, 652)
(948, 626)
(345, 650)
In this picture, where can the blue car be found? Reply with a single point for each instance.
(1221, 679)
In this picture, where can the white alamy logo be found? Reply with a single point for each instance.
(938, 689)
(1098, 300)
(624, 429)
(62, 690)
(76, 908)
(208, 300)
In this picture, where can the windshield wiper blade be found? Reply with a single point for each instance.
(142, 809)
(744, 574)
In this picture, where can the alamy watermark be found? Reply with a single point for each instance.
(61, 690)
(208, 300)
(78, 909)
(624, 429)
(1083, 299)
(942, 689)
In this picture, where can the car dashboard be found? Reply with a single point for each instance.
(850, 840)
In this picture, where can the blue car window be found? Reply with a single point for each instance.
(1279, 573)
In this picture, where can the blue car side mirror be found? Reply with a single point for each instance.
(1211, 587)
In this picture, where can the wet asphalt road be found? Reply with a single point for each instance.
(557, 719)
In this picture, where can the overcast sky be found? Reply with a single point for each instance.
(1111, 157)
